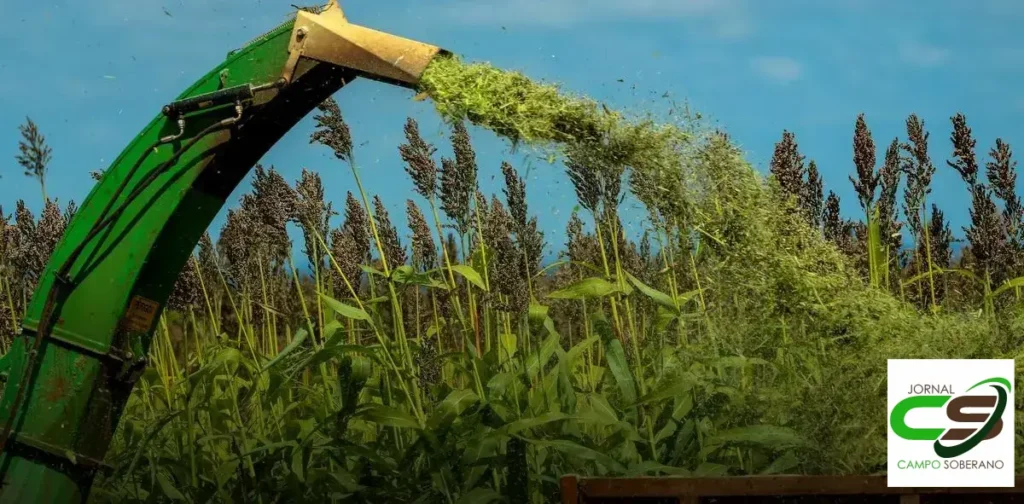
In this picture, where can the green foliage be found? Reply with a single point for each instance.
(587, 288)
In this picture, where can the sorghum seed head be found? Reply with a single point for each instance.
(419, 160)
(332, 131)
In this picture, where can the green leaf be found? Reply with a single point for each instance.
(529, 423)
(168, 488)
(226, 470)
(581, 452)
(332, 334)
(329, 352)
(732, 361)
(708, 469)
(944, 271)
(684, 404)
(361, 369)
(647, 467)
(784, 463)
(541, 358)
(664, 318)
(687, 296)
(452, 406)
(371, 270)
(616, 358)
(549, 325)
(538, 312)
(389, 417)
(566, 393)
(227, 359)
(473, 476)
(764, 435)
(345, 310)
(659, 297)
(298, 465)
(600, 412)
(576, 351)
(498, 383)
(673, 389)
(405, 275)
(1009, 284)
(665, 432)
(593, 287)
(617, 364)
(625, 288)
(508, 343)
(271, 447)
(300, 336)
(345, 479)
(480, 448)
(436, 327)
(470, 274)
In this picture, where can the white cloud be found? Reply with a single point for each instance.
(781, 69)
(728, 17)
(923, 55)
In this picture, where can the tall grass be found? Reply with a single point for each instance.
(391, 397)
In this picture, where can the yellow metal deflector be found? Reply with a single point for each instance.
(330, 38)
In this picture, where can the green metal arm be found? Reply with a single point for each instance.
(89, 324)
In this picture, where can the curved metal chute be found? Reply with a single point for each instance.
(89, 324)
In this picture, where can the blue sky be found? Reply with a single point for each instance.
(92, 74)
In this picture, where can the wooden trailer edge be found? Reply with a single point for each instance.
(578, 490)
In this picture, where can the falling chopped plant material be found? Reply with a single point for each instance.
(514, 106)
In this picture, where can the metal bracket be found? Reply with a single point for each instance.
(132, 370)
(295, 49)
(34, 449)
(113, 355)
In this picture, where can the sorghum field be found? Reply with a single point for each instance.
(746, 332)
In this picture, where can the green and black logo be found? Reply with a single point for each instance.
(963, 439)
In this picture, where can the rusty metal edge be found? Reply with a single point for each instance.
(570, 489)
(737, 486)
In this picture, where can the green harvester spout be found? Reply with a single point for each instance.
(89, 325)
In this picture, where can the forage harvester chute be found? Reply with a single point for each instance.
(89, 324)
